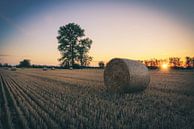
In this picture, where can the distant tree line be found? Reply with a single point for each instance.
(26, 63)
(5, 65)
(173, 62)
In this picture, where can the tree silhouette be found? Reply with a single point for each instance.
(25, 63)
(193, 61)
(188, 61)
(86, 60)
(72, 46)
(174, 61)
(101, 64)
(83, 48)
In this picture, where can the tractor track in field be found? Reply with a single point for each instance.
(62, 77)
(28, 106)
(37, 90)
(35, 102)
(5, 113)
(72, 83)
(10, 113)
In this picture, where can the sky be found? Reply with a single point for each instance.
(135, 29)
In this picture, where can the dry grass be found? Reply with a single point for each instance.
(73, 99)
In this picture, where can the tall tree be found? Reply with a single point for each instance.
(73, 45)
(68, 38)
(83, 48)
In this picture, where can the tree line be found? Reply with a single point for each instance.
(26, 63)
(173, 62)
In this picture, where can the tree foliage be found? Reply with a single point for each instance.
(83, 48)
(189, 61)
(101, 64)
(175, 61)
(72, 44)
(25, 63)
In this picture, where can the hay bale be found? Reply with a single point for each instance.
(124, 76)
(53, 68)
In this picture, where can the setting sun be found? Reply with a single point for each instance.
(164, 66)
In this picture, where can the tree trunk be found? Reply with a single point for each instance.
(81, 61)
(72, 56)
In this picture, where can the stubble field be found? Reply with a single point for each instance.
(77, 99)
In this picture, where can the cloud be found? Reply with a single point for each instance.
(3, 55)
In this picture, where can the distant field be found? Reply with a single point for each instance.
(77, 99)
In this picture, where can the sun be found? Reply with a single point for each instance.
(164, 66)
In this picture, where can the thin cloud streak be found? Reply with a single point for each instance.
(3, 55)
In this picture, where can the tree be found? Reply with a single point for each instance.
(193, 61)
(188, 61)
(101, 64)
(174, 61)
(86, 60)
(83, 48)
(25, 63)
(69, 36)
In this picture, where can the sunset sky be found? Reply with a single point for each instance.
(127, 29)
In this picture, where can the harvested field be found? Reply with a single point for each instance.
(77, 99)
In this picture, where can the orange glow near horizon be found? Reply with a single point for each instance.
(164, 66)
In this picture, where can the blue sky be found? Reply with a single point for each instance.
(14, 11)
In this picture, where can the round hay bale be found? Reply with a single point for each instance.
(124, 76)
